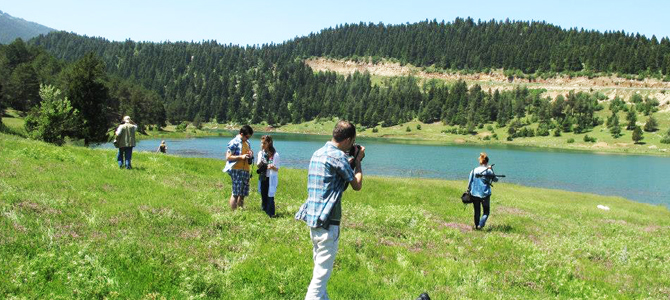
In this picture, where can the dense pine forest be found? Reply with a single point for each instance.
(207, 81)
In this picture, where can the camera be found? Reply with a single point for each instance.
(262, 168)
(353, 152)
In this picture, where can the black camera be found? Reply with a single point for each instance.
(353, 152)
(262, 168)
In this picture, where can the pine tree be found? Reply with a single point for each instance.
(651, 124)
(631, 117)
(637, 134)
(88, 94)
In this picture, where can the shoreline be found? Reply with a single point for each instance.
(431, 134)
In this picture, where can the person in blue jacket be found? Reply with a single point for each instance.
(479, 185)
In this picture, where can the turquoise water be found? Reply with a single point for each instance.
(639, 178)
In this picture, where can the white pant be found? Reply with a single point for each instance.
(324, 244)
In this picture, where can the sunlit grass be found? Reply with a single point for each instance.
(73, 225)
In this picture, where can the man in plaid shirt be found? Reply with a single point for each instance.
(330, 169)
(239, 157)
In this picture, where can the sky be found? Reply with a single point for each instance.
(253, 22)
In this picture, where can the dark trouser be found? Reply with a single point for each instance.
(128, 153)
(486, 203)
(268, 203)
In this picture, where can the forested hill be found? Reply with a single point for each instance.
(12, 28)
(207, 80)
(466, 44)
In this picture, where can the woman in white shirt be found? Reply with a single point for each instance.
(268, 169)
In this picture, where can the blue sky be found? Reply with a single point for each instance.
(257, 22)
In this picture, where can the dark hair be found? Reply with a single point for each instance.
(271, 147)
(344, 130)
(246, 130)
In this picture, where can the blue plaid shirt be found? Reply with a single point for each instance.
(235, 147)
(329, 171)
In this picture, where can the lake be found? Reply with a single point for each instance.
(639, 178)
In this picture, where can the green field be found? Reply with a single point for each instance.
(73, 225)
(434, 133)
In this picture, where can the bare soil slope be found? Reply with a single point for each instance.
(610, 86)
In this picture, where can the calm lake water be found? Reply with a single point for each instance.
(639, 178)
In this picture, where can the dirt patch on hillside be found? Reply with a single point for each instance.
(610, 86)
(600, 145)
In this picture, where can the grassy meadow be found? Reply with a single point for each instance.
(435, 133)
(74, 225)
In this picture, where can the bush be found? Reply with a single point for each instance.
(666, 139)
(55, 118)
(589, 139)
(557, 132)
(571, 140)
(375, 130)
(182, 127)
(408, 129)
(418, 126)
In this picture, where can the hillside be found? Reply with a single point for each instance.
(611, 86)
(75, 226)
(12, 28)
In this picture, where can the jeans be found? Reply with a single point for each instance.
(128, 153)
(268, 203)
(325, 243)
(486, 203)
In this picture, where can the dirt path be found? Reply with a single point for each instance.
(610, 86)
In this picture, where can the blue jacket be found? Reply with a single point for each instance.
(481, 186)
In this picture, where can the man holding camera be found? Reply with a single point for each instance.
(331, 169)
(239, 158)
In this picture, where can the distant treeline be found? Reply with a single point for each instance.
(71, 99)
(205, 81)
(465, 44)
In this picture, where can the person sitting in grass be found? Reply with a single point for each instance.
(162, 148)
(479, 185)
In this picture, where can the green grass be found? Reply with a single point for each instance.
(433, 133)
(73, 225)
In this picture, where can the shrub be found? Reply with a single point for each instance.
(182, 127)
(408, 129)
(418, 126)
(571, 140)
(589, 139)
(55, 118)
(375, 130)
